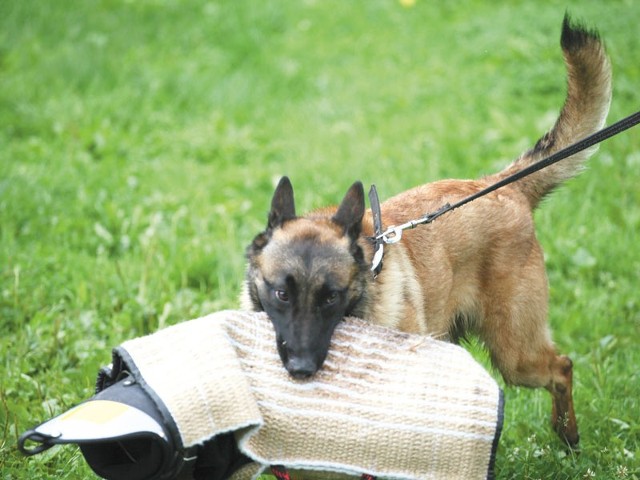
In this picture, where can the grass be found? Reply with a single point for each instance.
(140, 141)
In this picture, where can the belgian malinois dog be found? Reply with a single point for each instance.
(477, 270)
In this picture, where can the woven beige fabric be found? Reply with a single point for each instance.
(195, 370)
(385, 403)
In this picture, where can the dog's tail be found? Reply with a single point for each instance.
(584, 112)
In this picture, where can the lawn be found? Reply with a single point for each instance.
(140, 142)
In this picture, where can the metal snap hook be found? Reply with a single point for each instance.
(392, 235)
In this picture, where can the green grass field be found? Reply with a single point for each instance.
(140, 142)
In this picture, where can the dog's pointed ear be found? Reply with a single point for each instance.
(282, 205)
(351, 211)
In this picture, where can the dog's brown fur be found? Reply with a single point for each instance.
(478, 269)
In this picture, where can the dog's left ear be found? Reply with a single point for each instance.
(282, 204)
(351, 210)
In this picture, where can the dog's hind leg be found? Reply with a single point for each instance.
(530, 360)
(563, 417)
(514, 329)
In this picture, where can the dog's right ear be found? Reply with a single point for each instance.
(282, 205)
(351, 211)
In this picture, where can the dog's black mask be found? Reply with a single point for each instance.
(304, 326)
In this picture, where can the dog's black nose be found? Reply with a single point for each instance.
(301, 368)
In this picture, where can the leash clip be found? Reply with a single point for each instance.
(393, 235)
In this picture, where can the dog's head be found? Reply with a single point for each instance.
(307, 273)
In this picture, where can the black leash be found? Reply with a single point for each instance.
(394, 234)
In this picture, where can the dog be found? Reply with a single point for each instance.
(478, 270)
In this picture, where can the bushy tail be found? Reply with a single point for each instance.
(584, 112)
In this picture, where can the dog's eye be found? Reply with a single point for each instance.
(331, 298)
(282, 295)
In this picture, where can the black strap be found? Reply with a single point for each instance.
(44, 441)
(377, 227)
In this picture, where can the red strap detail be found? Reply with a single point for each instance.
(281, 473)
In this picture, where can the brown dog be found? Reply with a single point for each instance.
(477, 270)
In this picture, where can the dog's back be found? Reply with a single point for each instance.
(461, 255)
